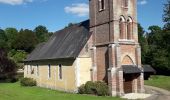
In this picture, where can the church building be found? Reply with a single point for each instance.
(103, 48)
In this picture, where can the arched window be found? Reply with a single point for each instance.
(122, 27)
(129, 28)
(101, 5)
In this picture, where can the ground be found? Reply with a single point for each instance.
(159, 81)
(161, 93)
(13, 91)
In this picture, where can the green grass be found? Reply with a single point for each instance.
(159, 81)
(13, 91)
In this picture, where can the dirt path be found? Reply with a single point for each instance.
(158, 94)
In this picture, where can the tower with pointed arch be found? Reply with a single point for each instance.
(116, 53)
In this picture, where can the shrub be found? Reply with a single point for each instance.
(101, 88)
(95, 88)
(8, 78)
(90, 88)
(81, 89)
(27, 82)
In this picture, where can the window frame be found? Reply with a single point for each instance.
(129, 28)
(122, 28)
(27, 69)
(60, 72)
(37, 70)
(101, 4)
(49, 71)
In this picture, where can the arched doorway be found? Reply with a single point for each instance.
(130, 73)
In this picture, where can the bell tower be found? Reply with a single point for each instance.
(116, 53)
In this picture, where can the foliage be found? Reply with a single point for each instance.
(27, 82)
(14, 91)
(26, 40)
(17, 56)
(41, 33)
(158, 54)
(81, 89)
(11, 34)
(90, 88)
(166, 15)
(3, 39)
(143, 42)
(7, 67)
(159, 81)
(95, 88)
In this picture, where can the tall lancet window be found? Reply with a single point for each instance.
(101, 5)
(129, 28)
(122, 28)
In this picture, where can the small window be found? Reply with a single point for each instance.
(129, 28)
(122, 27)
(101, 5)
(31, 69)
(60, 72)
(37, 70)
(49, 71)
(125, 3)
(27, 69)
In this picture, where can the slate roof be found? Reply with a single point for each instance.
(131, 69)
(148, 69)
(66, 43)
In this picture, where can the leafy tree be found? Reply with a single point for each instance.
(3, 39)
(41, 33)
(11, 34)
(7, 66)
(166, 15)
(17, 57)
(158, 55)
(143, 43)
(26, 40)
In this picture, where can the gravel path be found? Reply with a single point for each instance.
(157, 93)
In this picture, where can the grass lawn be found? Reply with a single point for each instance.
(159, 81)
(13, 91)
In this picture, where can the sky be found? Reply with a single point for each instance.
(56, 14)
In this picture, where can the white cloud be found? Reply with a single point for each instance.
(15, 2)
(142, 2)
(79, 9)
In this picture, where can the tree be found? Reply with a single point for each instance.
(17, 57)
(143, 43)
(166, 15)
(41, 33)
(11, 34)
(26, 40)
(7, 66)
(3, 39)
(158, 55)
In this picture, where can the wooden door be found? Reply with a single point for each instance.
(128, 80)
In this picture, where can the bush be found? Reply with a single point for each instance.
(95, 88)
(101, 88)
(81, 89)
(27, 82)
(8, 78)
(90, 88)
